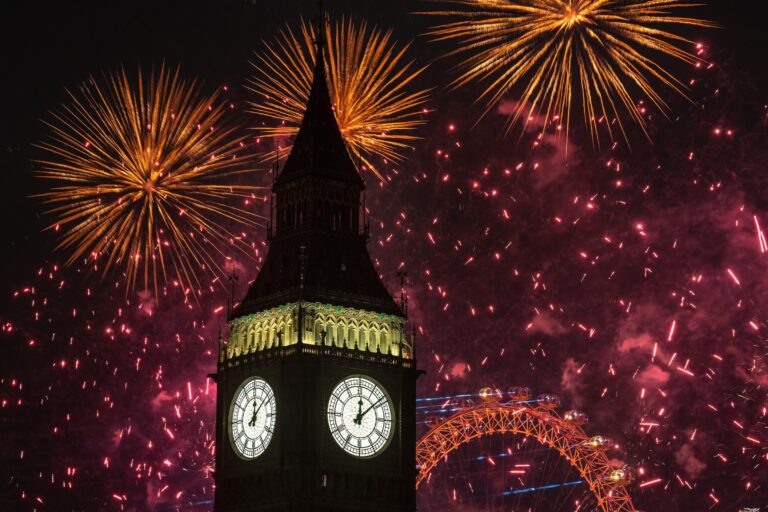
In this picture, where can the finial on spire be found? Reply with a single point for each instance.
(402, 274)
(233, 277)
(320, 22)
(275, 165)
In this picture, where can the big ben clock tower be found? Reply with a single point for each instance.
(316, 385)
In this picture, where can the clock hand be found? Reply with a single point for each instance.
(256, 411)
(252, 423)
(359, 418)
(368, 409)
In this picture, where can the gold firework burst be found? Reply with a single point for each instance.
(551, 48)
(141, 174)
(368, 79)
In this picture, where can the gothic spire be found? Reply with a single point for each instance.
(317, 253)
(319, 150)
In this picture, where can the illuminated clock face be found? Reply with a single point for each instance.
(252, 417)
(360, 416)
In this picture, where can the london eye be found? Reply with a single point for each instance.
(508, 450)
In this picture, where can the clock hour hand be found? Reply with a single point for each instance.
(359, 418)
(252, 423)
(256, 410)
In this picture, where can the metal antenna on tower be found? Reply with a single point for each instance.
(366, 223)
(275, 168)
(402, 274)
(232, 278)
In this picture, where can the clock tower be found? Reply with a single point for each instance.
(316, 386)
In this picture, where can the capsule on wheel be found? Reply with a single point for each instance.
(548, 401)
(622, 475)
(519, 394)
(598, 443)
(487, 395)
(576, 418)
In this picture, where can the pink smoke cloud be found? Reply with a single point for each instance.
(687, 459)
(652, 376)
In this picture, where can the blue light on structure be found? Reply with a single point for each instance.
(541, 488)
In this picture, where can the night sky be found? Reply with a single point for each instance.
(630, 281)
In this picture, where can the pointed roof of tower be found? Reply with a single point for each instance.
(319, 149)
(318, 263)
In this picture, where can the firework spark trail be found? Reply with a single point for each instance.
(552, 48)
(369, 81)
(125, 403)
(143, 177)
(762, 244)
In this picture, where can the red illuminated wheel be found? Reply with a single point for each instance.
(587, 455)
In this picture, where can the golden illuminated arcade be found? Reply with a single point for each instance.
(324, 324)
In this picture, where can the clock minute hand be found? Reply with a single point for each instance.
(371, 407)
(259, 408)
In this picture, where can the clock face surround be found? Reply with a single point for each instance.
(360, 416)
(252, 417)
